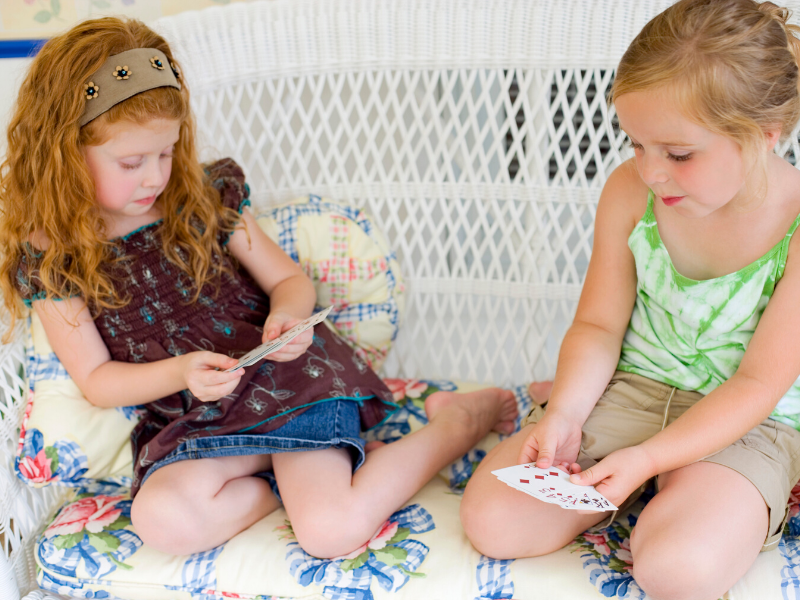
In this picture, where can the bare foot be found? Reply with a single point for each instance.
(370, 446)
(540, 391)
(483, 410)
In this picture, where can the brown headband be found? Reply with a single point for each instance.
(124, 75)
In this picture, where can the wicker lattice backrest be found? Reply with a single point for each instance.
(476, 133)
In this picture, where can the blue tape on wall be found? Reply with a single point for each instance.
(19, 48)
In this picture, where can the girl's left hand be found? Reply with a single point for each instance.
(278, 323)
(617, 475)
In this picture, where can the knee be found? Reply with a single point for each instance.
(479, 518)
(333, 531)
(493, 528)
(164, 521)
(670, 572)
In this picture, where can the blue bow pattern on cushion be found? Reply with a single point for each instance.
(391, 557)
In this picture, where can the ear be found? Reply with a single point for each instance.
(771, 137)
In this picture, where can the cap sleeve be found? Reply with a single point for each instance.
(28, 283)
(227, 178)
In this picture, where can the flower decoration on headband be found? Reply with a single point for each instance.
(91, 90)
(156, 63)
(122, 72)
(175, 70)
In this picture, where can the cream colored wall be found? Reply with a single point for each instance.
(11, 73)
(21, 19)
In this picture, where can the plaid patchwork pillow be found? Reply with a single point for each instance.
(65, 440)
(351, 266)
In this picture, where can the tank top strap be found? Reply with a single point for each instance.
(649, 215)
(784, 251)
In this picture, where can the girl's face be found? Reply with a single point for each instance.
(132, 168)
(690, 168)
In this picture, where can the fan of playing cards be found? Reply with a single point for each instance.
(271, 346)
(553, 486)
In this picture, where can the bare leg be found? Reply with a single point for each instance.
(195, 505)
(505, 523)
(333, 512)
(700, 533)
(540, 391)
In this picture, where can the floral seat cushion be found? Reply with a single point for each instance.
(90, 549)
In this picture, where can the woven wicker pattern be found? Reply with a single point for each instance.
(474, 132)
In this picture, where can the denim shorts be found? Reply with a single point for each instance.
(329, 423)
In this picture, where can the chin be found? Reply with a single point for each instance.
(693, 211)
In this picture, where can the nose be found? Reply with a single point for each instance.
(153, 177)
(652, 168)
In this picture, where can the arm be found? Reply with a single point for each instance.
(105, 382)
(291, 293)
(591, 348)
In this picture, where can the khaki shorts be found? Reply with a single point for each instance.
(635, 408)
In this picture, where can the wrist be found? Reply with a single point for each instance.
(649, 457)
(564, 413)
(182, 369)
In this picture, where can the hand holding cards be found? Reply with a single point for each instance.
(554, 487)
(279, 342)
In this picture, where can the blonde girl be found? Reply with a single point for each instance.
(683, 358)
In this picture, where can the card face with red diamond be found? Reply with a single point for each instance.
(554, 487)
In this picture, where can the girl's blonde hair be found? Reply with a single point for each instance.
(731, 65)
(46, 190)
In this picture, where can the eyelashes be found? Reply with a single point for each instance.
(128, 167)
(674, 157)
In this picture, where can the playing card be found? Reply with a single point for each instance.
(553, 486)
(279, 342)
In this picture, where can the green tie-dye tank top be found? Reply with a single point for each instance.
(693, 334)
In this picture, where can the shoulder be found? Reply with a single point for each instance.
(624, 197)
(789, 185)
(228, 178)
(39, 240)
(225, 168)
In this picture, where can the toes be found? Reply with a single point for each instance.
(504, 427)
(370, 446)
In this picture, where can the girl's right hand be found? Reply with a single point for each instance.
(555, 440)
(205, 376)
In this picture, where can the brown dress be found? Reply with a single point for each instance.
(159, 323)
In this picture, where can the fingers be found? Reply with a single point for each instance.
(212, 360)
(210, 377)
(529, 452)
(271, 331)
(206, 377)
(547, 451)
(276, 324)
(295, 348)
(597, 475)
(211, 393)
(590, 476)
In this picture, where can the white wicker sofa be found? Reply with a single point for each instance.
(476, 135)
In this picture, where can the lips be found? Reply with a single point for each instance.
(671, 200)
(144, 201)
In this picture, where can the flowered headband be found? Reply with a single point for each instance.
(124, 75)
